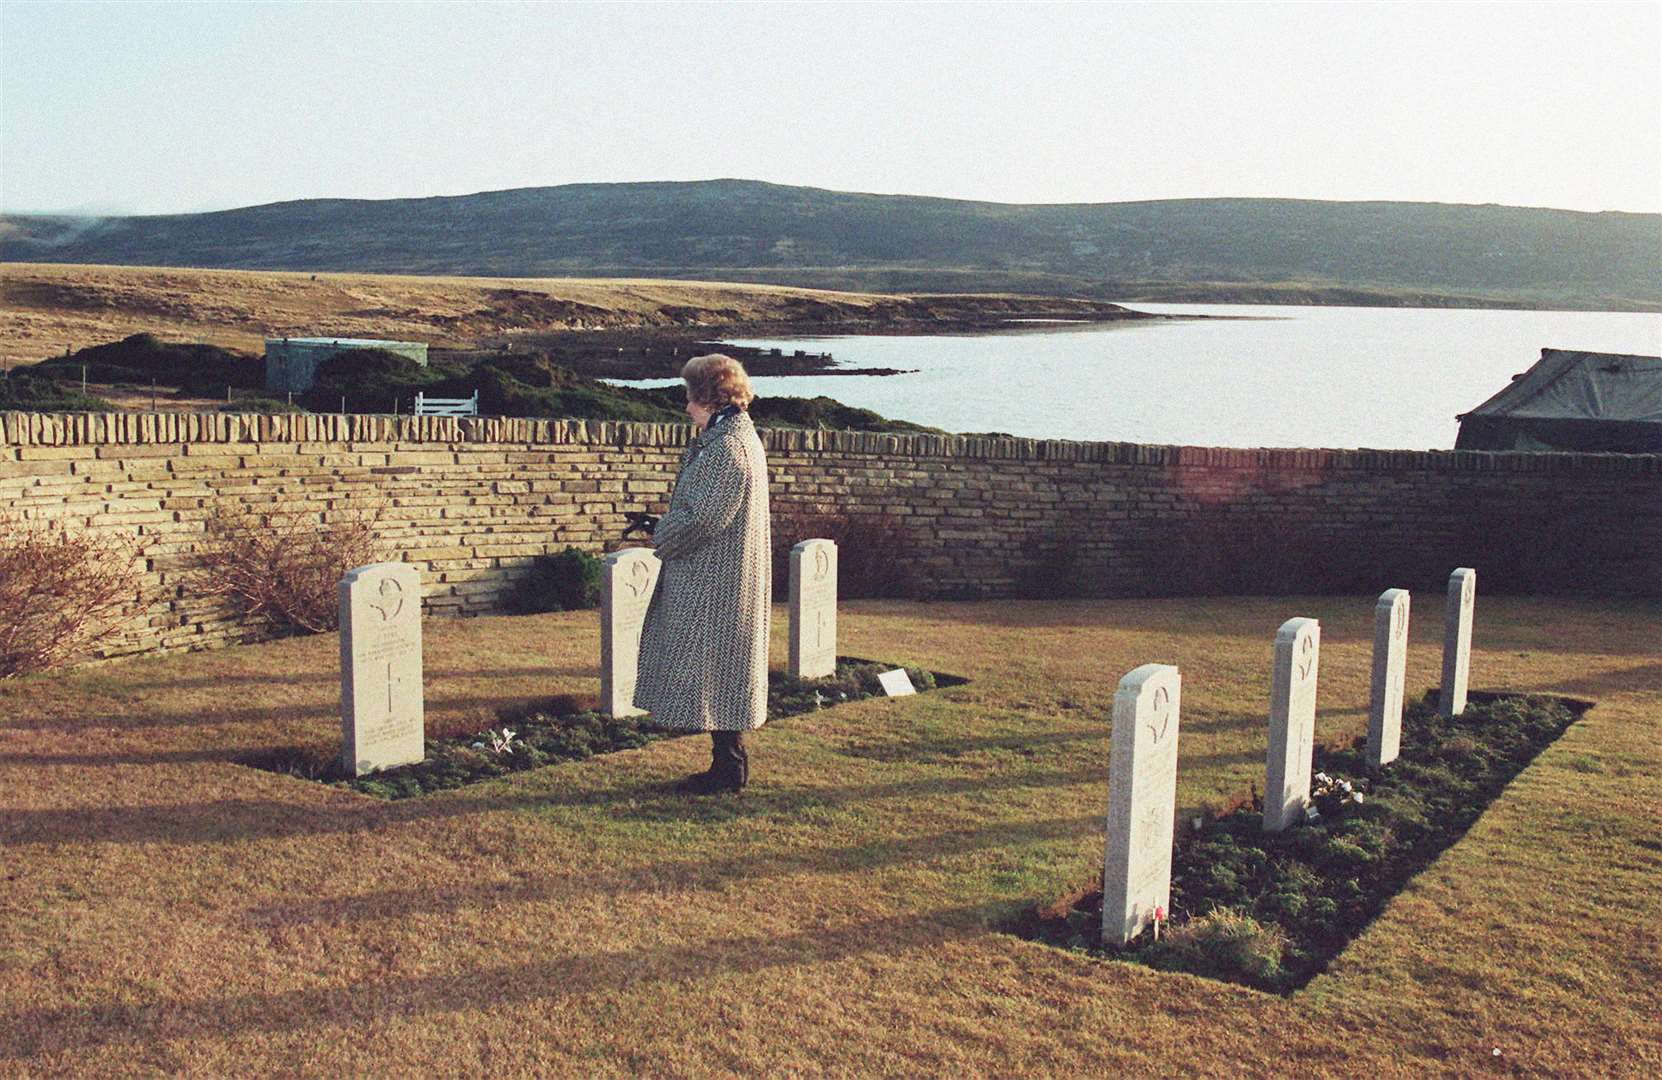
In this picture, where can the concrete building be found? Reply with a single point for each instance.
(292, 363)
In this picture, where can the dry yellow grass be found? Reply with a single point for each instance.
(165, 910)
(45, 307)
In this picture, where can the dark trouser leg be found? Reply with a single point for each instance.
(728, 759)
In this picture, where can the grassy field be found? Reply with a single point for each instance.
(167, 910)
(46, 308)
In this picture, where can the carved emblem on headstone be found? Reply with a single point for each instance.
(822, 563)
(640, 575)
(390, 601)
(1159, 713)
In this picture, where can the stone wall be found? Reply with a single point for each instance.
(471, 502)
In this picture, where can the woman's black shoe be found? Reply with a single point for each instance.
(729, 767)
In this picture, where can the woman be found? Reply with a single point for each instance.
(704, 645)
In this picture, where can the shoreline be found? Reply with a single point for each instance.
(645, 353)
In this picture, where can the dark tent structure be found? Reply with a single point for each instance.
(1573, 401)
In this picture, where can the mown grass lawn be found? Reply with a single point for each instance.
(163, 909)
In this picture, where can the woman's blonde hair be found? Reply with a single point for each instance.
(717, 380)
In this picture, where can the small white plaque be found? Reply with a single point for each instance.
(897, 683)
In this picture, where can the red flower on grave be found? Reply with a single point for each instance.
(1159, 914)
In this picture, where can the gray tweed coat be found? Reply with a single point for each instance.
(704, 646)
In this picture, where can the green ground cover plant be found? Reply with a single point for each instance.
(1270, 910)
(29, 390)
(568, 580)
(568, 728)
(194, 369)
(374, 381)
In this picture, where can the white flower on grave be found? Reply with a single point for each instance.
(1324, 778)
(819, 700)
(478, 746)
(842, 695)
(1312, 815)
(1356, 797)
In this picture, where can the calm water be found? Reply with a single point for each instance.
(1386, 378)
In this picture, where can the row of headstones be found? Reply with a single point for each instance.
(382, 712)
(1142, 780)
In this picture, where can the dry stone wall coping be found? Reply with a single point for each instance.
(26, 429)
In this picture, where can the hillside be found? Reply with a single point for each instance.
(1185, 249)
(48, 309)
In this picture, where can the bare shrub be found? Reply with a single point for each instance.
(875, 554)
(63, 592)
(283, 567)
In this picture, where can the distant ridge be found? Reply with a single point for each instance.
(1291, 250)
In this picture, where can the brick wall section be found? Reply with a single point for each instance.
(472, 501)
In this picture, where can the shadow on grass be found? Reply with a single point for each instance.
(241, 717)
(719, 874)
(239, 820)
(900, 748)
(119, 1020)
(130, 683)
(1644, 678)
(134, 757)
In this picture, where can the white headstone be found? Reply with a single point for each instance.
(897, 683)
(1390, 662)
(813, 610)
(625, 593)
(1142, 801)
(381, 705)
(1292, 722)
(1457, 640)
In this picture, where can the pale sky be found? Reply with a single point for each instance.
(153, 108)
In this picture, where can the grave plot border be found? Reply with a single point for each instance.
(1210, 860)
(563, 737)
